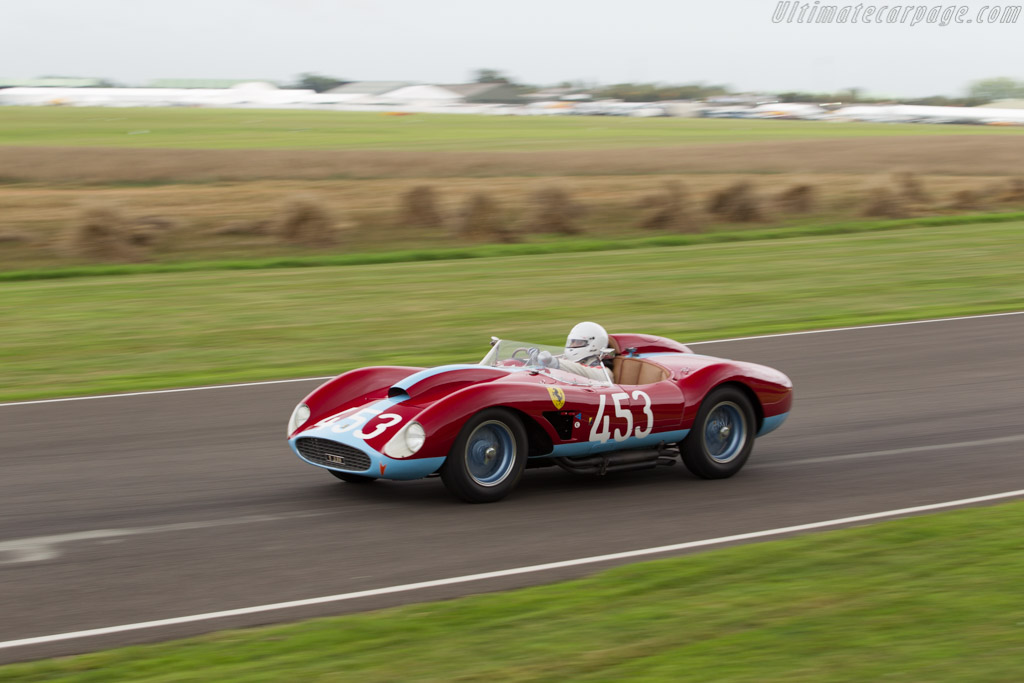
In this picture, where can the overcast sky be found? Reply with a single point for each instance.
(537, 41)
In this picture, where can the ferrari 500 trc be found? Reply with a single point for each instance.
(604, 403)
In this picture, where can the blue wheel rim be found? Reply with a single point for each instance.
(725, 432)
(490, 453)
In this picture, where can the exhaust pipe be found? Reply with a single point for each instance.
(618, 461)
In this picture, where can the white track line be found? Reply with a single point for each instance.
(829, 459)
(40, 548)
(322, 379)
(532, 569)
(858, 327)
(167, 391)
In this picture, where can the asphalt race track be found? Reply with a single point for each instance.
(129, 509)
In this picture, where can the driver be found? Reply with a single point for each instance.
(583, 350)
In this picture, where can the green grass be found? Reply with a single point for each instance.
(270, 129)
(934, 598)
(102, 334)
(557, 246)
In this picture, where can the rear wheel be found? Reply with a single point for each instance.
(722, 436)
(352, 478)
(488, 457)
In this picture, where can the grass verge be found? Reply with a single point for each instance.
(105, 334)
(578, 245)
(200, 128)
(933, 598)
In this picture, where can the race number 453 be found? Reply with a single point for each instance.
(602, 429)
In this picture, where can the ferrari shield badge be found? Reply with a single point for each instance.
(557, 397)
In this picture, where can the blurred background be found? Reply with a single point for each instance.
(204, 194)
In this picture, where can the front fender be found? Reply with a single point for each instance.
(351, 388)
(443, 420)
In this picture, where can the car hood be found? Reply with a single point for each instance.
(430, 384)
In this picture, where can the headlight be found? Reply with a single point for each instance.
(415, 436)
(299, 417)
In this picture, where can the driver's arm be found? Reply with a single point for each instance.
(597, 374)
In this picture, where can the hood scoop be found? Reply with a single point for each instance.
(447, 377)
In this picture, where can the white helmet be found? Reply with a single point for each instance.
(585, 340)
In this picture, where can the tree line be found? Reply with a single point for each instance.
(979, 92)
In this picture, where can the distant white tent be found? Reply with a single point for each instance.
(787, 110)
(906, 113)
(251, 94)
(422, 94)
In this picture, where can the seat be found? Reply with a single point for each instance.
(633, 371)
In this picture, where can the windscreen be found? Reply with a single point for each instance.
(544, 360)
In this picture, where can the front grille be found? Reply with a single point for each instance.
(333, 454)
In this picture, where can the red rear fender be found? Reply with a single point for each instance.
(645, 343)
(771, 390)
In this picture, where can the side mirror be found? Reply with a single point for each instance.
(494, 340)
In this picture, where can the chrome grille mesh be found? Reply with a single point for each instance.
(333, 454)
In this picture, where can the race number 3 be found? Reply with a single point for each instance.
(361, 418)
(601, 431)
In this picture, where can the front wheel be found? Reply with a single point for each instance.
(722, 436)
(488, 457)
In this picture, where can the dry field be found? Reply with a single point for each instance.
(940, 154)
(224, 203)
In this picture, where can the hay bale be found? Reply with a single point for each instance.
(418, 208)
(716, 204)
(1014, 192)
(305, 221)
(882, 202)
(141, 237)
(555, 211)
(992, 192)
(148, 230)
(671, 210)
(14, 237)
(159, 223)
(966, 199)
(910, 188)
(737, 203)
(245, 228)
(796, 199)
(481, 218)
(100, 233)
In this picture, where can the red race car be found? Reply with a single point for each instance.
(652, 402)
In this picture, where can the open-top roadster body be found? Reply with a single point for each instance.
(479, 426)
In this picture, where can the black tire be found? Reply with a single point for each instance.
(488, 457)
(713, 449)
(352, 478)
